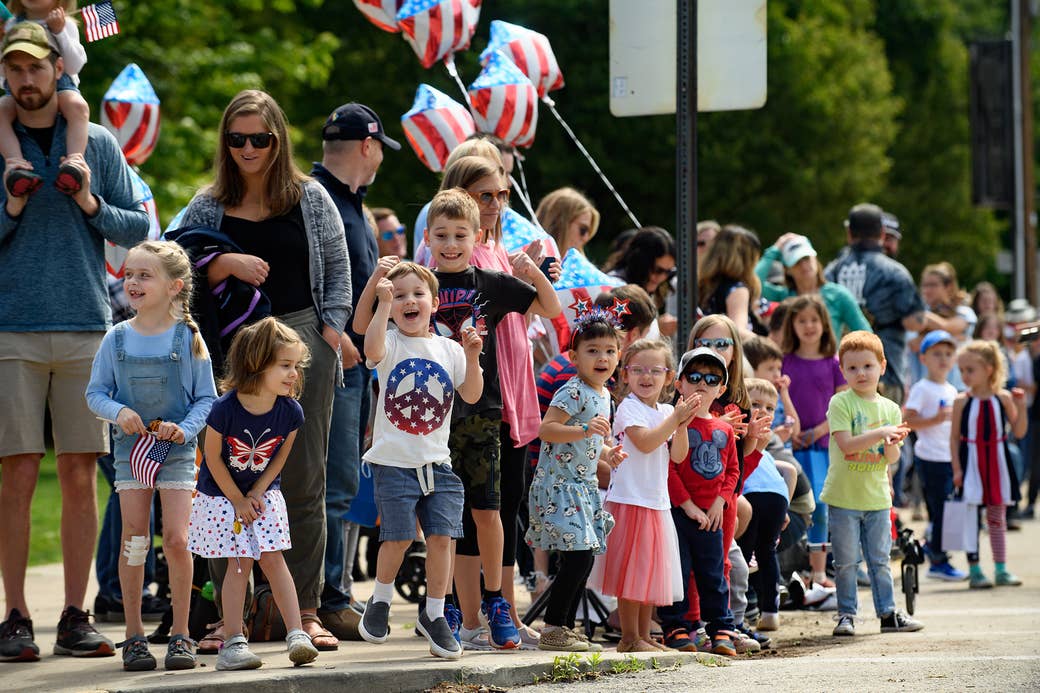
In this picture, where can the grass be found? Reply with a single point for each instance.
(45, 536)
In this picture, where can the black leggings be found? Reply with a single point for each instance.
(568, 587)
(760, 539)
(511, 493)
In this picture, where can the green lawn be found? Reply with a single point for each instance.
(45, 539)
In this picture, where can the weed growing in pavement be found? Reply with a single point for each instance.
(627, 665)
(566, 668)
(595, 659)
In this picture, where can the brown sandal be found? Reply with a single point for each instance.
(323, 634)
(213, 640)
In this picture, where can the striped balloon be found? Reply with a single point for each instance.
(437, 28)
(115, 256)
(435, 125)
(530, 51)
(130, 110)
(382, 13)
(505, 102)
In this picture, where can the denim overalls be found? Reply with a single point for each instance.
(151, 386)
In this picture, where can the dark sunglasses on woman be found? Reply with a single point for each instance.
(259, 140)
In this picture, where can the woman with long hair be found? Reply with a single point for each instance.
(648, 261)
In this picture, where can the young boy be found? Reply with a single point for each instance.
(419, 374)
(767, 362)
(927, 411)
(699, 488)
(866, 432)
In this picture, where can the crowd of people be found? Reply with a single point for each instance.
(253, 346)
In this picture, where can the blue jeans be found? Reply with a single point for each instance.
(350, 408)
(937, 480)
(700, 551)
(871, 529)
(110, 541)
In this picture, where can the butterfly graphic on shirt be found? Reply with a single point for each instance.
(253, 455)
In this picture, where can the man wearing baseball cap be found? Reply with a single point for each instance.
(353, 141)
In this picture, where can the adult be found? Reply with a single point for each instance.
(569, 217)
(48, 337)
(884, 290)
(292, 242)
(648, 261)
(727, 283)
(391, 234)
(707, 230)
(804, 275)
(353, 141)
(985, 300)
(891, 234)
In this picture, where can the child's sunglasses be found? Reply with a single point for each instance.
(260, 140)
(710, 379)
(718, 344)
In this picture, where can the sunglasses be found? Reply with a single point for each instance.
(639, 371)
(486, 198)
(658, 271)
(718, 344)
(710, 379)
(389, 234)
(259, 140)
(584, 230)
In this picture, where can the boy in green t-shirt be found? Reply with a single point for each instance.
(866, 432)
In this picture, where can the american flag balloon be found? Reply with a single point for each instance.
(437, 28)
(518, 233)
(579, 284)
(530, 51)
(435, 125)
(115, 255)
(505, 102)
(382, 13)
(130, 110)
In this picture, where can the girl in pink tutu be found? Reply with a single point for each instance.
(641, 564)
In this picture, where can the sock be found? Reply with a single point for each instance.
(491, 594)
(1001, 567)
(975, 569)
(434, 608)
(383, 592)
(819, 578)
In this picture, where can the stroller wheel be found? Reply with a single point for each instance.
(411, 578)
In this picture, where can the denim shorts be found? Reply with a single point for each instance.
(476, 457)
(400, 500)
(176, 472)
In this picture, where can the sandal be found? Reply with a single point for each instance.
(213, 640)
(322, 634)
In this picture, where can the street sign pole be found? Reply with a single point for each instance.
(686, 165)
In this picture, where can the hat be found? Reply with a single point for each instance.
(864, 220)
(1020, 310)
(937, 337)
(890, 224)
(704, 354)
(355, 121)
(795, 249)
(31, 38)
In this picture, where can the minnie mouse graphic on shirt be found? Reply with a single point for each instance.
(254, 455)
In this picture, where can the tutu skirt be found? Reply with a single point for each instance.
(642, 559)
(211, 529)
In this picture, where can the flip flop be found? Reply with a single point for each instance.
(322, 634)
(213, 640)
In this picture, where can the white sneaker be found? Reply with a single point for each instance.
(301, 649)
(235, 655)
(474, 639)
(768, 621)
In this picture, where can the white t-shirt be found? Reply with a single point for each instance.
(1022, 369)
(417, 381)
(933, 442)
(642, 479)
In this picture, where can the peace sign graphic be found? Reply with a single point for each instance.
(418, 396)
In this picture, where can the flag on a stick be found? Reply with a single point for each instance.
(147, 456)
(99, 21)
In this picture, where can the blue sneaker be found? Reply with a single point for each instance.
(454, 618)
(945, 571)
(502, 632)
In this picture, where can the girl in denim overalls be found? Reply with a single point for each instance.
(155, 368)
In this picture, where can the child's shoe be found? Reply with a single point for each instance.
(769, 621)
(438, 634)
(678, 639)
(722, 645)
(846, 626)
(70, 179)
(180, 653)
(502, 632)
(454, 618)
(898, 622)
(136, 656)
(375, 624)
(1004, 578)
(977, 580)
(559, 639)
(21, 182)
(742, 643)
(301, 649)
(945, 571)
(235, 655)
(764, 640)
(701, 641)
(580, 635)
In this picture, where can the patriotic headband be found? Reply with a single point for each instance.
(611, 315)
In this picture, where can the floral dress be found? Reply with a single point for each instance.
(565, 506)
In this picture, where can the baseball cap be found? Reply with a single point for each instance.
(355, 121)
(864, 220)
(31, 38)
(796, 249)
(937, 337)
(890, 222)
(704, 354)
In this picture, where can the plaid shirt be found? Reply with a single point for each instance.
(121, 309)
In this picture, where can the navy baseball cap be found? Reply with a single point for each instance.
(355, 121)
(937, 337)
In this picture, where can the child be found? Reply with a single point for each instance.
(808, 344)
(59, 36)
(641, 565)
(419, 375)
(700, 488)
(239, 511)
(160, 344)
(565, 508)
(767, 362)
(768, 493)
(866, 432)
(927, 411)
(978, 448)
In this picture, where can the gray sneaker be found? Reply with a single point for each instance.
(438, 633)
(301, 649)
(235, 655)
(846, 626)
(375, 624)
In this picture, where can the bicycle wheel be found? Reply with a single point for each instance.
(910, 586)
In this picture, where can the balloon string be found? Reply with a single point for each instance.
(521, 189)
(449, 64)
(552, 107)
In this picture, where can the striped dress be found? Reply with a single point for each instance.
(989, 478)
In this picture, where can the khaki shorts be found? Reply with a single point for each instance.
(41, 369)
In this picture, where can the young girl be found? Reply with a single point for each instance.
(565, 508)
(809, 348)
(239, 511)
(64, 40)
(154, 368)
(978, 447)
(641, 565)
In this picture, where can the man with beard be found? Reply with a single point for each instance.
(53, 314)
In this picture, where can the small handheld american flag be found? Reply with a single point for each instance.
(147, 456)
(99, 21)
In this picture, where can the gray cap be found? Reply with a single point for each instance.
(705, 354)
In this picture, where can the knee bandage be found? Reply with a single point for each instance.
(135, 550)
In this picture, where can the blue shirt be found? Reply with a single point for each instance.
(766, 478)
